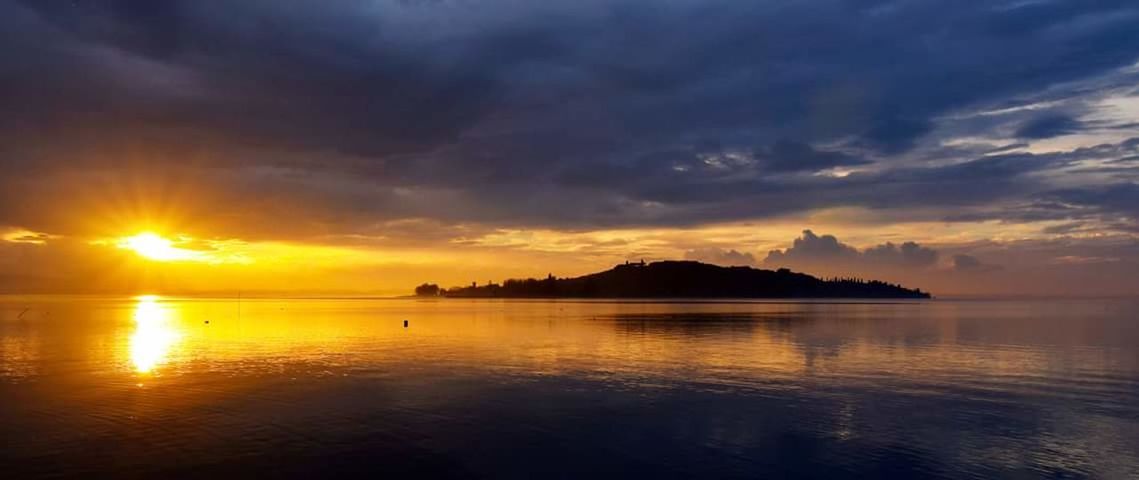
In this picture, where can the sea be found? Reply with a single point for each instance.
(169, 387)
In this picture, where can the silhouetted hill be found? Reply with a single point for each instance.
(676, 279)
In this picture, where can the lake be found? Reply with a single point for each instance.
(181, 387)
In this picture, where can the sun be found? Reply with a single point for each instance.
(153, 246)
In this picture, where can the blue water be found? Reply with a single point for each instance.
(124, 387)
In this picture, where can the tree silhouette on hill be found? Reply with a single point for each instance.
(686, 279)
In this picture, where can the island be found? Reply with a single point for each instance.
(679, 279)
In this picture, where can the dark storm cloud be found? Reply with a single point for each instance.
(786, 156)
(1049, 126)
(1119, 198)
(555, 113)
(1107, 201)
(277, 75)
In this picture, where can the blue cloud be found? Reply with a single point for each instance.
(1049, 126)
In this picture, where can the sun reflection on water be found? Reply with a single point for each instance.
(154, 336)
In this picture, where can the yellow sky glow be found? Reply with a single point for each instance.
(158, 257)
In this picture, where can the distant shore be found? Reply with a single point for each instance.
(681, 280)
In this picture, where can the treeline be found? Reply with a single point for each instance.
(677, 279)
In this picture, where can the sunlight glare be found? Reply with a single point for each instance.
(152, 246)
(154, 334)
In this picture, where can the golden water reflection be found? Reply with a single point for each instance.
(155, 334)
(1045, 386)
(623, 342)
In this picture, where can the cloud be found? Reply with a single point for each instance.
(811, 251)
(719, 256)
(17, 235)
(1077, 264)
(1048, 126)
(908, 254)
(788, 156)
(1115, 198)
(969, 263)
(553, 114)
(812, 247)
(965, 262)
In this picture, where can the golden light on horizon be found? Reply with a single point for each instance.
(154, 247)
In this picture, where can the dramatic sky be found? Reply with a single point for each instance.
(959, 146)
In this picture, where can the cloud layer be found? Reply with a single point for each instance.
(363, 121)
(562, 113)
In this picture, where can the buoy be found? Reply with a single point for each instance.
(405, 324)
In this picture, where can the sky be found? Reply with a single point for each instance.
(962, 147)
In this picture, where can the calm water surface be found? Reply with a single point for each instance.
(145, 387)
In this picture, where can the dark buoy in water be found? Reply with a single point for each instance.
(405, 324)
